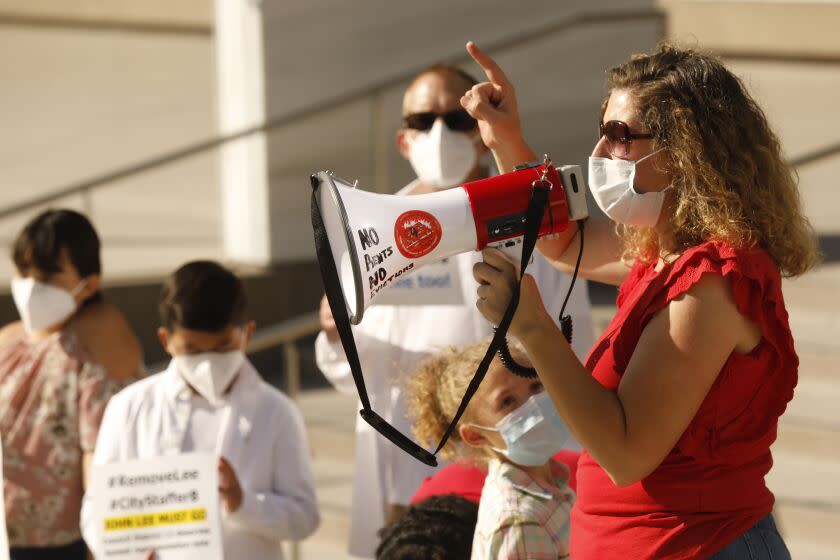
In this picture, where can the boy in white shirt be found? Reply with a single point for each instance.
(210, 399)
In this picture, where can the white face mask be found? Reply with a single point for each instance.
(210, 373)
(441, 157)
(611, 184)
(41, 305)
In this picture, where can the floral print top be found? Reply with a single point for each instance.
(52, 398)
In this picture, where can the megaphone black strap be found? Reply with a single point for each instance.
(533, 218)
(342, 322)
(336, 298)
(566, 325)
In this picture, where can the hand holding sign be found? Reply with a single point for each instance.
(327, 320)
(493, 104)
(230, 492)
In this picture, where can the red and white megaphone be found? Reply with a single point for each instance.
(366, 242)
(377, 239)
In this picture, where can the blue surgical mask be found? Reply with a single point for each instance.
(533, 432)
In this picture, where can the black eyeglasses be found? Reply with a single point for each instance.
(619, 137)
(458, 120)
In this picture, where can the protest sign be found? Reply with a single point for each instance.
(169, 504)
(435, 284)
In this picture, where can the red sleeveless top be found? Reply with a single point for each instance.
(710, 488)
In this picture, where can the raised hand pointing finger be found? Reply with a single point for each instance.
(493, 105)
(494, 74)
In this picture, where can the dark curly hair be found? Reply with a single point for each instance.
(729, 177)
(438, 528)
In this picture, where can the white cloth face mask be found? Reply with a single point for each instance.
(611, 184)
(441, 157)
(42, 305)
(210, 373)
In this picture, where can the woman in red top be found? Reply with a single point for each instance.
(679, 400)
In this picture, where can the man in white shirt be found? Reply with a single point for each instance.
(442, 143)
(210, 399)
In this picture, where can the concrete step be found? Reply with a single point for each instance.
(810, 533)
(813, 305)
(330, 425)
(818, 391)
(806, 461)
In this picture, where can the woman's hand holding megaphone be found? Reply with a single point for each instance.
(497, 276)
(493, 104)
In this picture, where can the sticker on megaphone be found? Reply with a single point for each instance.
(376, 240)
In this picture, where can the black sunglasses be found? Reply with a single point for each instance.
(458, 120)
(619, 137)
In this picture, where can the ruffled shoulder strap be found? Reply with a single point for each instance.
(755, 282)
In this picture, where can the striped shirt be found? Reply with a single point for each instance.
(522, 518)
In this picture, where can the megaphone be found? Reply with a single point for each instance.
(365, 242)
(378, 239)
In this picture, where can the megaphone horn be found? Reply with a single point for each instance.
(390, 236)
(377, 239)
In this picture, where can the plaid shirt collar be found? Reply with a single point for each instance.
(522, 481)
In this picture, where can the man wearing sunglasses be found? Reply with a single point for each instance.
(438, 137)
(441, 142)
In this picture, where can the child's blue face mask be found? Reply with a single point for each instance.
(533, 432)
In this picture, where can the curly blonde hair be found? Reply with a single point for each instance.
(729, 177)
(435, 391)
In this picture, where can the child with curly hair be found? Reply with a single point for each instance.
(510, 425)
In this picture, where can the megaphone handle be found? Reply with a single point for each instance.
(512, 248)
(566, 325)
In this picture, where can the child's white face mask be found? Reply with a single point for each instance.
(210, 373)
(533, 432)
(611, 184)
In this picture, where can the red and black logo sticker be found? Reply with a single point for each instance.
(417, 233)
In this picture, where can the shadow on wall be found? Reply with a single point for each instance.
(830, 247)
(274, 295)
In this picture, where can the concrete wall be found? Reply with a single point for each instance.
(124, 13)
(779, 28)
(89, 87)
(321, 49)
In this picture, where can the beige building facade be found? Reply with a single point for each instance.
(124, 107)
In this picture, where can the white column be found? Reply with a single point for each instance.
(241, 104)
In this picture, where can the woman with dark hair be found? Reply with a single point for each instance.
(59, 366)
(678, 402)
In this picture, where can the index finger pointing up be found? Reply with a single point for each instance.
(491, 69)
